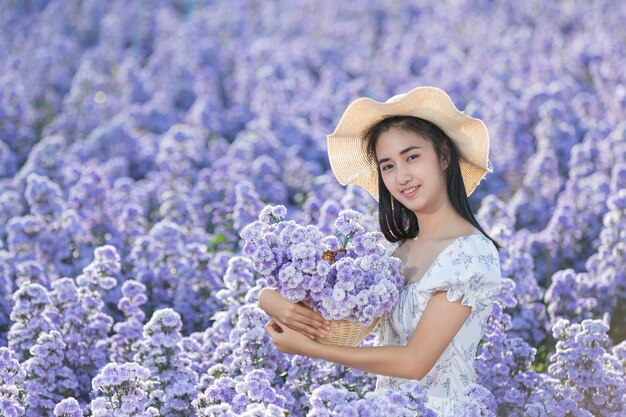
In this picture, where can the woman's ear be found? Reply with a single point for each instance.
(445, 156)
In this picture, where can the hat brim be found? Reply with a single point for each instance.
(345, 149)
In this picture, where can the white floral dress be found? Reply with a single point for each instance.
(468, 267)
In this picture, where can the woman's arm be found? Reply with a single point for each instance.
(271, 302)
(439, 323)
(381, 360)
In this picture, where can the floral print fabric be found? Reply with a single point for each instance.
(467, 267)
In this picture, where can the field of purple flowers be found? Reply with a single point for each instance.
(137, 138)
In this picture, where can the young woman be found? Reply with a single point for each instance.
(421, 158)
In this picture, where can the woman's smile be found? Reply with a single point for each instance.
(410, 192)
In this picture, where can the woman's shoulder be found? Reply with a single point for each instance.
(478, 249)
(469, 268)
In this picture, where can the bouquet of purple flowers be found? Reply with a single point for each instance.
(346, 276)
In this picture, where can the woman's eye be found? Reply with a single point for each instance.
(412, 156)
(386, 166)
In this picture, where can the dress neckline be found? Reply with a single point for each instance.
(432, 264)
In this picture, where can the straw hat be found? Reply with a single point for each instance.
(345, 149)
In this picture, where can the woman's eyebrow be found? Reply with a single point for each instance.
(380, 161)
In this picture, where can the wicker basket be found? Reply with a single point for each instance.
(344, 332)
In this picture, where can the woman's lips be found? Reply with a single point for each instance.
(411, 192)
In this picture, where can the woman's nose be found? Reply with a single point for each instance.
(403, 176)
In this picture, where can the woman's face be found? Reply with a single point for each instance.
(410, 169)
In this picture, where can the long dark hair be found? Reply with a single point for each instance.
(397, 222)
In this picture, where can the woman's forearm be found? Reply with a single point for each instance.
(381, 360)
(269, 302)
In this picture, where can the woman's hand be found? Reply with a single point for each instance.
(293, 315)
(289, 341)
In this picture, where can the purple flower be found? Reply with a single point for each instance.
(44, 196)
(12, 377)
(103, 270)
(583, 363)
(129, 332)
(248, 205)
(479, 401)
(11, 407)
(347, 223)
(410, 400)
(172, 384)
(30, 317)
(46, 375)
(272, 214)
(245, 393)
(124, 389)
(68, 407)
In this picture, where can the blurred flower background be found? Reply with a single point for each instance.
(137, 138)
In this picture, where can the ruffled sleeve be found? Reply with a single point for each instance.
(470, 270)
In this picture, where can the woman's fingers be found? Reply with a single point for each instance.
(304, 325)
(308, 330)
(321, 320)
(306, 321)
(315, 319)
(315, 327)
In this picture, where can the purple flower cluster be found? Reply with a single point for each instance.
(583, 363)
(12, 377)
(81, 315)
(30, 316)
(239, 278)
(289, 255)
(171, 384)
(248, 346)
(68, 407)
(177, 268)
(409, 400)
(569, 297)
(344, 277)
(503, 360)
(479, 402)
(123, 390)
(47, 379)
(239, 394)
(362, 283)
(129, 332)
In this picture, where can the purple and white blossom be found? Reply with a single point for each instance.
(171, 384)
(68, 407)
(129, 332)
(122, 391)
(356, 283)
